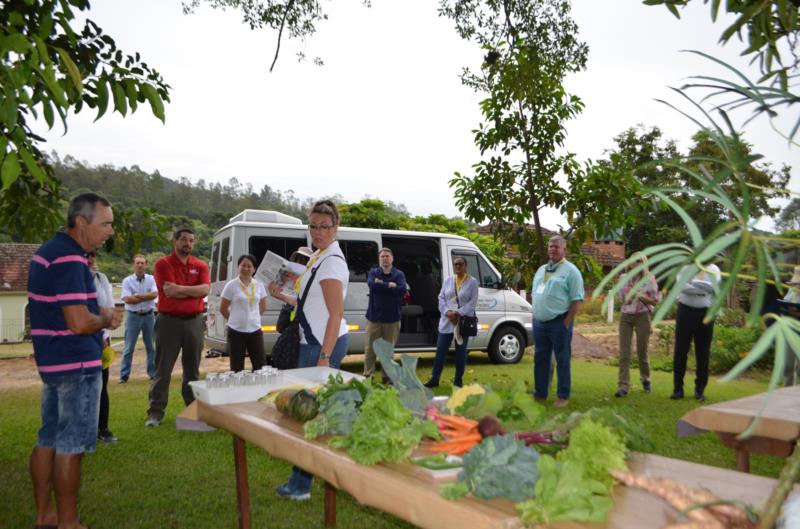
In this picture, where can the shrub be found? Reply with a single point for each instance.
(592, 310)
(731, 344)
(731, 318)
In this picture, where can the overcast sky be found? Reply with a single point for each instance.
(386, 116)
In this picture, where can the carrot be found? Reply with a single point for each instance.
(455, 448)
(458, 422)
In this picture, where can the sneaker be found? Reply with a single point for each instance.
(152, 421)
(699, 396)
(676, 395)
(648, 387)
(621, 393)
(561, 403)
(106, 437)
(539, 399)
(123, 380)
(285, 491)
(431, 384)
(457, 384)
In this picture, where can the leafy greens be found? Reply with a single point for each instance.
(563, 493)
(384, 430)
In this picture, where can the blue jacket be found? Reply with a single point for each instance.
(385, 301)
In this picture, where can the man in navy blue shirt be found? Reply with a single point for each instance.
(386, 285)
(67, 330)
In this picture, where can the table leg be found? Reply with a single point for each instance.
(330, 505)
(242, 487)
(742, 460)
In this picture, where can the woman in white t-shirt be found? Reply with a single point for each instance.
(243, 301)
(323, 330)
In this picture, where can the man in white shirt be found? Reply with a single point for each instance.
(139, 293)
(693, 303)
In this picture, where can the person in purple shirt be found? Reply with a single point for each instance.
(67, 332)
(387, 285)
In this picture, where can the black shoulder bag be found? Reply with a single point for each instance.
(467, 325)
(286, 351)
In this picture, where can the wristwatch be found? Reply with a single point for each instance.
(323, 355)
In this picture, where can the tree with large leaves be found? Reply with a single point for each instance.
(530, 47)
(50, 67)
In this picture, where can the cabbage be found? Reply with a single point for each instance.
(499, 467)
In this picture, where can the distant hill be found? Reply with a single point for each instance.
(211, 203)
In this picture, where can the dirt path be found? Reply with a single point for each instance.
(21, 372)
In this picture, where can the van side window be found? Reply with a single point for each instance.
(214, 257)
(488, 277)
(361, 257)
(478, 268)
(223, 259)
(283, 246)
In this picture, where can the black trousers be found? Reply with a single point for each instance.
(240, 343)
(689, 327)
(102, 423)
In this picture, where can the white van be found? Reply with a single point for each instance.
(504, 318)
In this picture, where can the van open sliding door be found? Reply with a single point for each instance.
(420, 260)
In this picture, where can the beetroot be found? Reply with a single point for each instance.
(489, 426)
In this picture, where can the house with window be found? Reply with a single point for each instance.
(15, 260)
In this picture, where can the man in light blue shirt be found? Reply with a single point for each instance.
(556, 296)
(139, 292)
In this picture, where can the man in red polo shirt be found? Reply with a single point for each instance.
(182, 281)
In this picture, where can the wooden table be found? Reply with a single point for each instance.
(776, 433)
(399, 490)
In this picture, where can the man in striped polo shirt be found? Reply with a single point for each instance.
(66, 327)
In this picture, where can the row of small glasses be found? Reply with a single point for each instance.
(228, 379)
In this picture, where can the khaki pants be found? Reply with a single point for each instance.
(375, 330)
(174, 335)
(628, 323)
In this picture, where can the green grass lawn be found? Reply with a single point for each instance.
(163, 478)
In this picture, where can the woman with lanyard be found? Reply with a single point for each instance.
(458, 297)
(243, 301)
(323, 329)
(635, 317)
(105, 299)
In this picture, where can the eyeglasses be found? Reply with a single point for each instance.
(320, 227)
(459, 264)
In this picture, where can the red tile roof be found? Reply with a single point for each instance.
(14, 262)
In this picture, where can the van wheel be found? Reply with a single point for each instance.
(507, 346)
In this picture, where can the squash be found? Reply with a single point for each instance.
(303, 405)
(283, 399)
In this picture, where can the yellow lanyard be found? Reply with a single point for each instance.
(548, 271)
(251, 296)
(460, 282)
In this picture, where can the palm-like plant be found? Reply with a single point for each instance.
(732, 243)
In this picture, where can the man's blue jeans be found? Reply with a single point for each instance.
(552, 339)
(134, 323)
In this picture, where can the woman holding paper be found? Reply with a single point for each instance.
(243, 300)
(320, 311)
